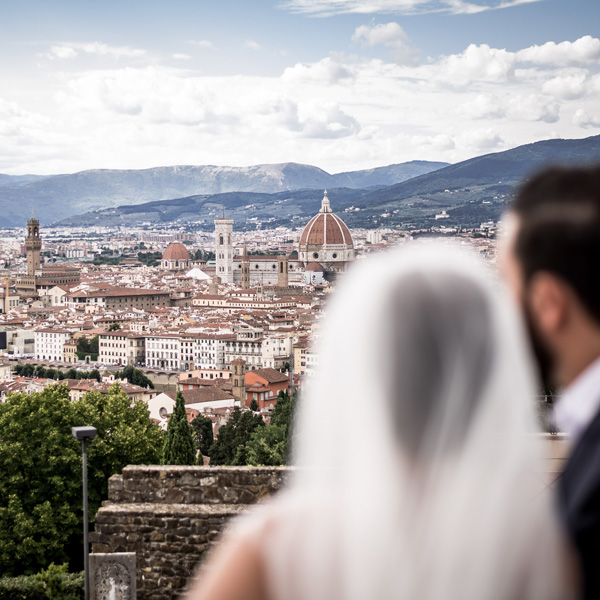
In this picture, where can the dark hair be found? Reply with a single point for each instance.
(559, 230)
(441, 321)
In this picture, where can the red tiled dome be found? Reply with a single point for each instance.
(176, 251)
(325, 228)
(315, 266)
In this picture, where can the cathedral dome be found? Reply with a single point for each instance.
(326, 228)
(176, 251)
(326, 239)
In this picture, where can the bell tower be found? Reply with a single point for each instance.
(33, 246)
(282, 271)
(238, 389)
(245, 270)
(224, 249)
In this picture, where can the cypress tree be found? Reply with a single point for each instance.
(179, 448)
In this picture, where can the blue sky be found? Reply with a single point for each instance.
(132, 84)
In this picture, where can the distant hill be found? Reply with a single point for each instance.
(482, 186)
(16, 180)
(283, 208)
(62, 196)
(472, 191)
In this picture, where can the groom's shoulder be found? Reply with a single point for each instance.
(579, 484)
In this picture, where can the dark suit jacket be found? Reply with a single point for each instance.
(579, 504)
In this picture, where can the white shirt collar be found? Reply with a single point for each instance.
(579, 403)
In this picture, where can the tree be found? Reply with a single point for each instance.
(203, 433)
(40, 479)
(114, 327)
(230, 446)
(267, 446)
(70, 373)
(271, 445)
(179, 446)
(87, 347)
(134, 376)
(254, 405)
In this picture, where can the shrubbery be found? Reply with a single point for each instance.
(52, 584)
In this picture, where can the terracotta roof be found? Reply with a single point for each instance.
(209, 393)
(270, 375)
(176, 251)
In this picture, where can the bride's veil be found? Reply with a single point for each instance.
(418, 471)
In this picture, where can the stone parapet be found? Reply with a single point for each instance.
(171, 515)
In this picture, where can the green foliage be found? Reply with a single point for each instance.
(267, 446)
(272, 444)
(203, 255)
(230, 446)
(114, 327)
(55, 583)
(135, 376)
(40, 479)
(27, 370)
(203, 434)
(254, 405)
(151, 259)
(86, 347)
(179, 448)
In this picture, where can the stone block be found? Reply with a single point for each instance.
(113, 576)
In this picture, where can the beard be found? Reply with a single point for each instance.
(541, 353)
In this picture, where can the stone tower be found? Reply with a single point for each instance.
(238, 369)
(282, 271)
(224, 249)
(245, 270)
(213, 286)
(33, 246)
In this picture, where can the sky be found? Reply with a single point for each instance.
(339, 84)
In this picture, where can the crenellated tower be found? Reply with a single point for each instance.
(33, 246)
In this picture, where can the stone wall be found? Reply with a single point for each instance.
(170, 515)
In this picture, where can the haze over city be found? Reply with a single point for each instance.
(341, 85)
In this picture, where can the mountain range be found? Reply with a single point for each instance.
(472, 191)
(58, 197)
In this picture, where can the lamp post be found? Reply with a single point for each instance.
(83, 434)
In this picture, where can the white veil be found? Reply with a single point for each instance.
(417, 477)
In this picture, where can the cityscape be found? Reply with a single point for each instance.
(208, 309)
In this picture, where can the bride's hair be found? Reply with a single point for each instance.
(419, 474)
(435, 320)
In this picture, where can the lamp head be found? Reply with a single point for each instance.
(84, 433)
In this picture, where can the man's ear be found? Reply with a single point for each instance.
(548, 302)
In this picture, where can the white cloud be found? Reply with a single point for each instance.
(339, 112)
(327, 71)
(327, 8)
(533, 107)
(178, 56)
(64, 51)
(584, 50)
(566, 86)
(477, 63)
(61, 52)
(484, 106)
(390, 35)
(586, 120)
(201, 43)
(252, 45)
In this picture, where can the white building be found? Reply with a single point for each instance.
(163, 351)
(49, 344)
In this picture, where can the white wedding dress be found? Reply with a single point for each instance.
(419, 474)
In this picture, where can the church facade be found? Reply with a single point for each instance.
(325, 246)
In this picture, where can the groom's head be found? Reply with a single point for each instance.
(552, 260)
